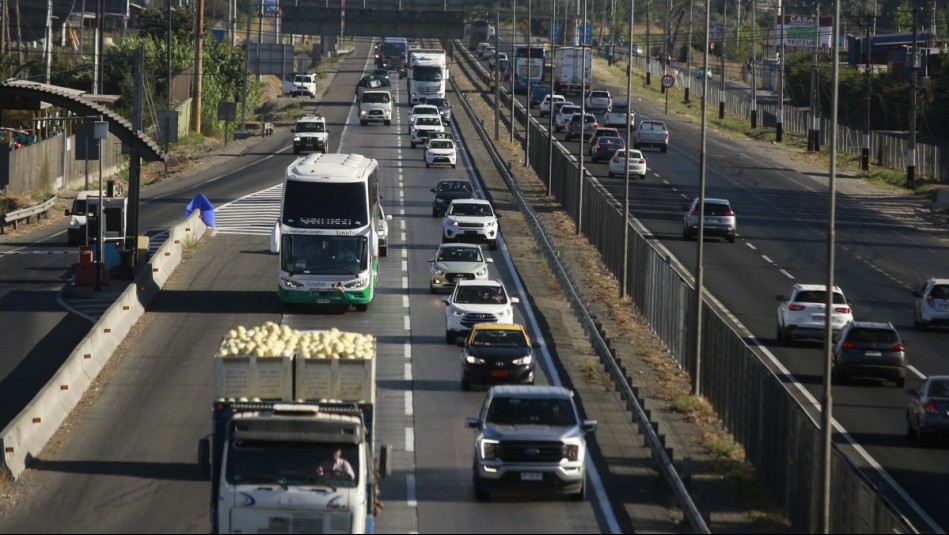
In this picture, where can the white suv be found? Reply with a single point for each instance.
(932, 304)
(801, 313)
(548, 99)
(310, 133)
(564, 115)
(440, 151)
(422, 126)
(471, 220)
(474, 302)
(422, 109)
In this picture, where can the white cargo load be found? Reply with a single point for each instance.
(276, 363)
(572, 69)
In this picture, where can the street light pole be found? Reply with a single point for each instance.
(721, 94)
(688, 54)
(754, 65)
(550, 109)
(527, 120)
(865, 145)
(700, 254)
(914, 87)
(629, 106)
(812, 133)
(779, 123)
(516, 61)
(583, 116)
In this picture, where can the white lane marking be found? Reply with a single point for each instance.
(405, 265)
(914, 370)
(409, 409)
(407, 349)
(766, 259)
(405, 301)
(409, 439)
(405, 253)
(750, 246)
(402, 222)
(402, 212)
(410, 490)
(407, 374)
(403, 237)
(786, 274)
(402, 193)
(408, 323)
(405, 283)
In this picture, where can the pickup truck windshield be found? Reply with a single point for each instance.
(531, 411)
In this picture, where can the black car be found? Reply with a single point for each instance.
(496, 353)
(605, 148)
(449, 190)
(869, 349)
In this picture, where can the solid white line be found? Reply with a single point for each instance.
(750, 246)
(409, 409)
(409, 439)
(403, 237)
(407, 321)
(912, 368)
(405, 301)
(407, 374)
(402, 224)
(405, 253)
(410, 490)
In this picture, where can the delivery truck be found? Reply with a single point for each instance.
(291, 445)
(573, 69)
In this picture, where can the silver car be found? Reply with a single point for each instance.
(927, 414)
(719, 219)
(457, 261)
(932, 304)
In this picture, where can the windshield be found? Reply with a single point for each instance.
(79, 207)
(810, 296)
(480, 295)
(440, 145)
(469, 209)
(454, 186)
(255, 462)
(375, 98)
(323, 255)
(427, 74)
(499, 338)
(391, 50)
(325, 205)
(459, 254)
(438, 102)
(310, 127)
(428, 121)
(531, 411)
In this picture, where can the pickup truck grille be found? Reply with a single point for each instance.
(515, 451)
(471, 319)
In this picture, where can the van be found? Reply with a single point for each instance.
(375, 106)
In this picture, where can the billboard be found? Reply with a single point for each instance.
(800, 33)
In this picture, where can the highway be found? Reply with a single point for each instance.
(884, 250)
(128, 462)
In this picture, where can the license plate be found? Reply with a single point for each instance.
(532, 476)
(818, 317)
(874, 354)
(498, 373)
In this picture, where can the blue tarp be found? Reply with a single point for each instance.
(202, 204)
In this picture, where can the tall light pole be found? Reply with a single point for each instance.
(648, 50)
(813, 132)
(721, 94)
(688, 55)
(516, 61)
(530, 60)
(779, 123)
(550, 109)
(865, 145)
(629, 106)
(583, 116)
(914, 87)
(700, 256)
(754, 65)
(497, 77)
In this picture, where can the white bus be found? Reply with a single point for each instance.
(329, 230)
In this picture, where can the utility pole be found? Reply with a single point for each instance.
(527, 118)
(583, 116)
(550, 109)
(865, 145)
(198, 58)
(700, 236)
(688, 55)
(497, 77)
(779, 123)
(100, 48)
(813, 143)
(648, 50)
(721, 94)
(629, 100)
(516, 61)
(914, 87)
(754, 65)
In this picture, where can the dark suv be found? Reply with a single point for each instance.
(573, 126)
(869, 349)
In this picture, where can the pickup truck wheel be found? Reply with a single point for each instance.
(427, 165)
(611, 174)
(388, 123)
(363, 122)
(493, 245)
(449, 337)
(481, 495)
(413, 144)
(384, 250)
(642, 176)
(296, 151)
(465, 384)
(664, 149)
(582, 494)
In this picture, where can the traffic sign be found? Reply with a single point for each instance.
(667, 81)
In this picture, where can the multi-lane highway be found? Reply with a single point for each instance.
(886, 246)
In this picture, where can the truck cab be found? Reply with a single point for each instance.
(375, 106)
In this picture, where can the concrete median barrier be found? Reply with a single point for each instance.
(27, 434)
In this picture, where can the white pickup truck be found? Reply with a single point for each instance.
(302, 84)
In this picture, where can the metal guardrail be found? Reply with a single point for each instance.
(666, 467)
(28, 214)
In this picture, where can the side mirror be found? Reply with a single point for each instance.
(489, 260)
(910, 392)
(446, 299)
(497, 215)
(588, 426)
(67, 212)
(515, 300)
(388, 217)
(916, 293)
(472, 423)
(432, 190)
(293, 130)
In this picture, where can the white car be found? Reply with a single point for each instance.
(932, 304)
(563, 117)
(455, 262)
(471, 220)
(382, 231)
(548, 99)
(487, 52)
(494, 59)
(422, 109)
(801, 313)
(635, 160)
(481, 46)
(422, 126)
(473, 302)
(440, 151)
(619, 115)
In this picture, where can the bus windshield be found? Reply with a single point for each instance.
(323, 255)
(325, 205)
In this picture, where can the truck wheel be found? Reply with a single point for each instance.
(362, 307)
(384, 250)
(664, 149)
(582, 494)
(465, 384)
(449, 337)
(493, 245)
(413, 144)
(427, 165)
(388, 123)
(611, 174)
(363, 122)
(296, 151)
(481, 495)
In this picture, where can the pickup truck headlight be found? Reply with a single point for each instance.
(488, 448)
(455, 224)
(523, 361)
(491, 223)
(296, 139)
(290, 283)
(362, 113)
(571, 451)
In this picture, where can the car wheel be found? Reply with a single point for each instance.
(921, 438)
(611, 174)
(493, 245)
(384, 250)
(427, 165)
(413, 144)
(664, 149)
(779, 336)
(434, 212)
(449, 337)
(899, 381)
(363, 123)
(480, 494)
(465, 384)
(432, 289)
(910, 432)
(642, 176)
(453, 166)
(581, 495)
(731, 239)
(388, 123)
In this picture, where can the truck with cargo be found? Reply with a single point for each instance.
(291, 445)
(427, 74)
(572, 69)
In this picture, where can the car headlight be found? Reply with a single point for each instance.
(483, 272)
(571, 451)
(290, 283)
(438, 272)
(473, 360)
(355, 284)
(491, 223)
(488, 448)
(455, 224)
(457, 313)
(362, 113)
(439, 200)
(296, 139)
(74, 222)
(523, 361)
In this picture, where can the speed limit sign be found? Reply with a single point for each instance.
(668, 81)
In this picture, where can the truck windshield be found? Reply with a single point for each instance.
(255, 462)
(323, 255)
(394, 50)
(427, 74)
(375, 98)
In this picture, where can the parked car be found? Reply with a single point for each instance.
(440, 152)
(636, 162)
(457, 261)
(801, 313)
(547, 101)
(869, 349)
(546, 420)
(563, 116)
(599, 100)
(496, 353)
(927, 414)
(471, 220)
(619, 115)
(603, 131)
(448, 190)
(932, 304)
(606, 147)
(719, 219)
(473, 302)
(575, 129)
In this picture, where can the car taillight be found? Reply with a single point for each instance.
(897, 347)
(842, 310)
(642, 160)
(932, 408)
(615, 159)
(729, 213)
(695, 212)
(848, 345)
(796, 308)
